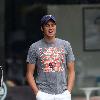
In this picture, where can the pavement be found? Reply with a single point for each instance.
(25, 93)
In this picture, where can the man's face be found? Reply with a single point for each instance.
(49, 29)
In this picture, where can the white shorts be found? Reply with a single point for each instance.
(45, 96)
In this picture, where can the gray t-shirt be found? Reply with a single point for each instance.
(51, 63)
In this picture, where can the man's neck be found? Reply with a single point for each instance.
(50, 39)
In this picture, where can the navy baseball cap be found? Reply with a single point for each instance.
(46, 18)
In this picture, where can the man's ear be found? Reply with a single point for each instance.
(41, 28)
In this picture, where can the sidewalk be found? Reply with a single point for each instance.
(83, 98)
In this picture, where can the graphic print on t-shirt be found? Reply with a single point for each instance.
(52, 59)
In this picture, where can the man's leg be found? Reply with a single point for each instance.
(64, 96)
(44, 96)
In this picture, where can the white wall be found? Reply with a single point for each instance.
(70, 27)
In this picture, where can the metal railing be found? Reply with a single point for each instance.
(3, 87)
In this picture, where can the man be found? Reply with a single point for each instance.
(54, 60)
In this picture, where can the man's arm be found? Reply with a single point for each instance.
(30, 77)
(71, 76)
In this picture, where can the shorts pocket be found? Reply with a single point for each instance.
(37, 95)
(41, 95)
(67, 92)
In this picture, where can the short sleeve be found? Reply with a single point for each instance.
(69, 53)
(31, 56)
